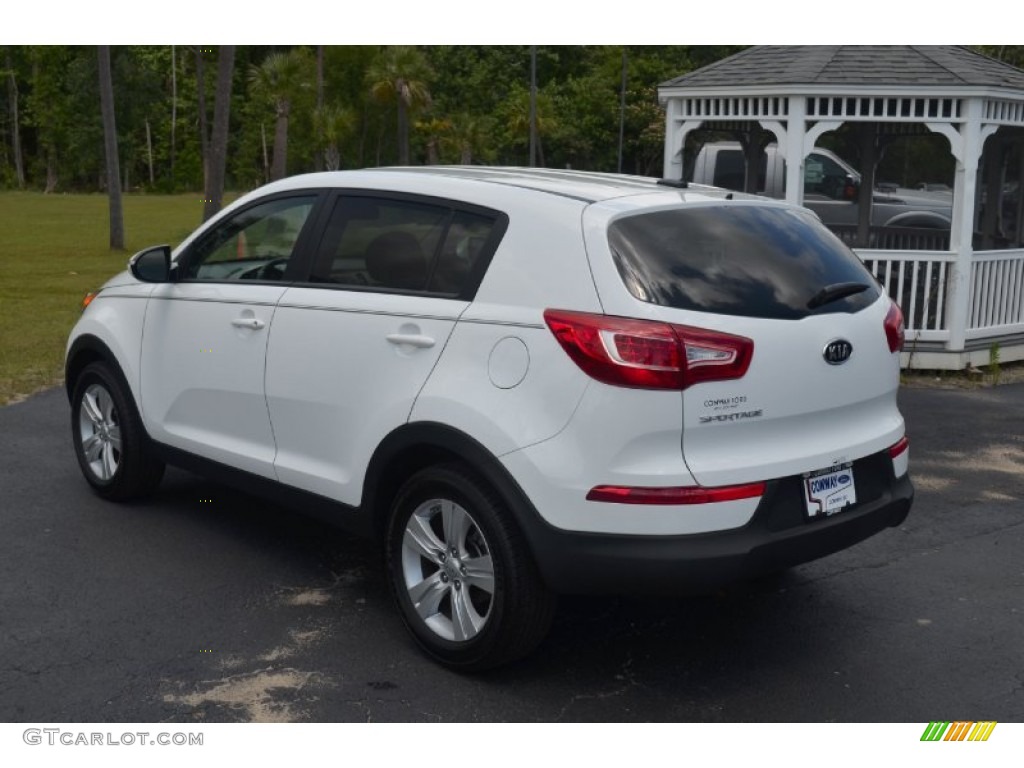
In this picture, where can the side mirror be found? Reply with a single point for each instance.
(851, 189)
(152, 265)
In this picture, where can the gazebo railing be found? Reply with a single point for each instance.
(919, 282)
(997, 293)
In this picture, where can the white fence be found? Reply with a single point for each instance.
(920, 282)
(997, 293)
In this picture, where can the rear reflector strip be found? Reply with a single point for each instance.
(900, 447)
(618, 494)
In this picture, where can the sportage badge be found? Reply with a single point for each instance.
(837, 352)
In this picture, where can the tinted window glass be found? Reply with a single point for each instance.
(731, 170)
(381, 243)
(824, 176)
(254, 244)
(464, 243)
(401, 244)
(736, 260)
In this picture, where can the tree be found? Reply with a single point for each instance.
(110, 149)
(217, 161)
(399, 75)
(279, 79)
(333, 124)
(12, 102)
(204, 133)
(515, 116)
(469, 136)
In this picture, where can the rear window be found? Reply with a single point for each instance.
(734, 259)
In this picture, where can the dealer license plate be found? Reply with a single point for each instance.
(828, 491)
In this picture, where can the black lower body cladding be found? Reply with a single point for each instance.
(778, 536)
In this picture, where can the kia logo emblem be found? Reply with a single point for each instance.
(837, 352)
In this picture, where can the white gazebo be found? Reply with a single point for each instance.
(958, 301)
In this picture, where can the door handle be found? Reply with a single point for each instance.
(412, 339)
(253, 323)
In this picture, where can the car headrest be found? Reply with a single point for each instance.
(395, 260)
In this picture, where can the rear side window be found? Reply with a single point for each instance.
(751, 261)
(407, 245)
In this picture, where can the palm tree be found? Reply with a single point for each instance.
(436, 131)
(332, 124)
(399, 75)
(279, 79)
(518, 117)
(470, 136)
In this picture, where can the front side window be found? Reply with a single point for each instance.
(824, 176)
(254, 244)
(405, 245)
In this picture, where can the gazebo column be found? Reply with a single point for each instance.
(675, 140)
(796, 130)
(966, 145)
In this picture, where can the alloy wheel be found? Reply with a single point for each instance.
(447, 570)
(99, 432)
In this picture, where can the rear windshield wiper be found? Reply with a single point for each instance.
(834, 292)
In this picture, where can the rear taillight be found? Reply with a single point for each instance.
(618, 494)
(894, 330)
(647, 354)
(899, 448)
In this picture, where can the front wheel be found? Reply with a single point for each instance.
(110, 443)
(461, 573)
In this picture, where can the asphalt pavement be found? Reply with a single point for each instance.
(204, 604)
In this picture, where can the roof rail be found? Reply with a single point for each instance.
(677, 183)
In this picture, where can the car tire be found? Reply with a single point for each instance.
(111, 445)
(461, 573)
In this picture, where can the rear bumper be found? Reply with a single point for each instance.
(776, 537)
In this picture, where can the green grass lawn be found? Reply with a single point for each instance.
(53, 249)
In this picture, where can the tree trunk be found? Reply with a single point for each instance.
(403, 125)
(279, 169)
(174, 106)
(110, 149)
(266, 157)
(204, 134)
(149, 153)
(217, 164)
(866, 196)
(622, 105)
(533, 107)
(12, 100)
(332, 157)
(51, 170)
(319, 155)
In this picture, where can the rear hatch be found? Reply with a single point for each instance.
(820, 388)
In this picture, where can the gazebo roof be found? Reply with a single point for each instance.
(940, 66)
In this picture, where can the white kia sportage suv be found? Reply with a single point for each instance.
(522, 382)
